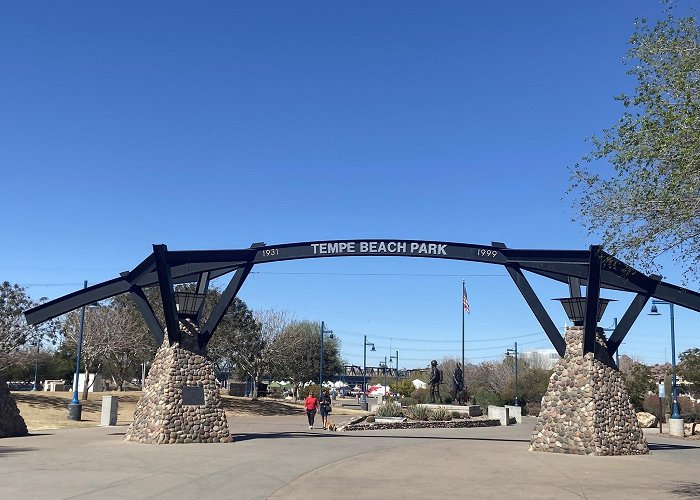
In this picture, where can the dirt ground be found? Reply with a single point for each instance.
(49, 410)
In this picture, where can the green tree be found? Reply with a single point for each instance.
(689, 366)
(639, 382)
(14, 331)
(649, 204)
(404, 388)
(297, 352)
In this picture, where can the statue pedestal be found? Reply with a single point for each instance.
(586, 409)
(180, 401)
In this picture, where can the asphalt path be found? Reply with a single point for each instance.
(279, 457)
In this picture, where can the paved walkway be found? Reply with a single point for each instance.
(280, 457)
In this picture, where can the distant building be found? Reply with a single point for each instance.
(541, 358)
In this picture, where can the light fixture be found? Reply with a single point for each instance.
(575, 308)
(188, 304)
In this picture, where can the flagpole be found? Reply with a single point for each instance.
(463, 367)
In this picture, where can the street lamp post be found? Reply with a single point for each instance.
(391, 358)
(35, 387)
(515, 352)
(364, 374)
(675, 412)
(320, 372)
(384, 371)
(75, 409)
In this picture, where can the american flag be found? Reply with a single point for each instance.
(465, 300)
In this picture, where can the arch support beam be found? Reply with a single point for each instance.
(623, 327)
(226, 298)
(144, 307)
(165, 284)
(537, 308)
(590, 321)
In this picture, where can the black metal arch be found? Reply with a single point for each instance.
(593, 268)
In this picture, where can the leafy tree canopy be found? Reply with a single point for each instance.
(689, 366)
(649, 205)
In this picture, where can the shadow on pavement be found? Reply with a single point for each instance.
(352, 435)
(10, 449)
(688, 490)
(667, 447)
(264, 408)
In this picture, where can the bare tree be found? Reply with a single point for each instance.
(103, 336)
(134, 346)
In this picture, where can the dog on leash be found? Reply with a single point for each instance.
(331, 425)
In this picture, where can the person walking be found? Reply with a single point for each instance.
(310, 406)
(325, 408)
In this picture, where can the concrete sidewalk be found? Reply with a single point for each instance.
(280, 457)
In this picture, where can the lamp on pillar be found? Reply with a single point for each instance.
(575, 308)
(188, 304)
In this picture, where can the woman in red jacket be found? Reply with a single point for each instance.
(311, 405)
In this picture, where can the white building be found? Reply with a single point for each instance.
(95, 383)
(541, 358)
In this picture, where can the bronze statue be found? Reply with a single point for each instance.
(435, 379)
(458, 383)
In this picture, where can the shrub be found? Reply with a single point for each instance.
(686, 405)
(456, 414)
(447, 400)
(484, 398)
(532, 408)
(418, 412)
(420, 395)
(408, 402)
(369, 419)
(651, 405)
(389, 409)
(405, 388)
(441, 413)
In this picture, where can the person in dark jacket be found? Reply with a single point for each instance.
(324, 405)
(434, 382)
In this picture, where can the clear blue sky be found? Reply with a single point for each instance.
(216, 125)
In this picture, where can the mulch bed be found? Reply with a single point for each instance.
(444, 424)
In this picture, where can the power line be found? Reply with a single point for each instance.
(49, 284)
(426, 275)
(406, 339)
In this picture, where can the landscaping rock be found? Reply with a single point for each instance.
(646, 420)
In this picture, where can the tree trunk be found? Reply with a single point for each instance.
(86, 386)
(254, 391)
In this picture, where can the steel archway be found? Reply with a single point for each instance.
(165, 268)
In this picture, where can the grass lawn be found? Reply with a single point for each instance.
(49, 410)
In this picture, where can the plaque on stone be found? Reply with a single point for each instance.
(192, 395)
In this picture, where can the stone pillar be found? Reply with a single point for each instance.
(11, 422)
(586, 409)
(180, 401)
